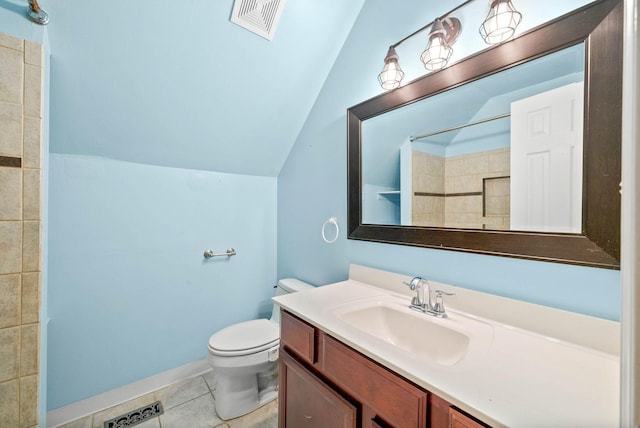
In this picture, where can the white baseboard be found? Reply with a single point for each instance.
(125, 393)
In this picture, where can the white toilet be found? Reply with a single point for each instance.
(244, 358)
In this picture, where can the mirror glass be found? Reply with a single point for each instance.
(485, 154)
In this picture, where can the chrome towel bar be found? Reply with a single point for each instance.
(210, 254)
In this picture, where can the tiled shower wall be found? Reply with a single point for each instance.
(464, 177)
(467, 191)
(427, 183)
(21, 83)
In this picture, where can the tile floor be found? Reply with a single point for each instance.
(186, 404)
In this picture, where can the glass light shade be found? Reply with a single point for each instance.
(501, 22)
(391, 75)
(437, 53)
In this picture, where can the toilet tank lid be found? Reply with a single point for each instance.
(291, 285)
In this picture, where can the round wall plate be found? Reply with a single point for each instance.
(453, 27)
(41, 17)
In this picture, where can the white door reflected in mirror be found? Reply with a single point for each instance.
(546, 161)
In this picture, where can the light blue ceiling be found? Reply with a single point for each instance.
(177, 84)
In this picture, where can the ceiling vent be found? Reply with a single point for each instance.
(258, 16)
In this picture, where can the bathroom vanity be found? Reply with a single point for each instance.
(354, 355)
(324, 383)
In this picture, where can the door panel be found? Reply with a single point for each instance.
(546, 161)
(308, 402)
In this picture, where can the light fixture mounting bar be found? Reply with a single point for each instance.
(430, 24)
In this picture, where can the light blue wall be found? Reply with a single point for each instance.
(312, 184)
(130, 294)
(174, 84)
(381, 208)
(160, 82)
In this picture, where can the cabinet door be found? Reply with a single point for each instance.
(391, 398)
(438, 412)
(305, 401)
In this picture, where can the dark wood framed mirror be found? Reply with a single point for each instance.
(599, 27)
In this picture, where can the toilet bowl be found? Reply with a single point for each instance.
(244, 358)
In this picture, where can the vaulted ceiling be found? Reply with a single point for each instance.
(177, 84)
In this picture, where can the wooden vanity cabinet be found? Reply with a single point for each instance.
(324, 383)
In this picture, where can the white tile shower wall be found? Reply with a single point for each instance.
(21, 77)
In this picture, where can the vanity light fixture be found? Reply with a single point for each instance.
(501, 22)
(499, 26)
(443, 34)
(391, 75)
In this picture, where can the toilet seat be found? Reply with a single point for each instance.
(244, 338)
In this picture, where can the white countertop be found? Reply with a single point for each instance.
(521, 379)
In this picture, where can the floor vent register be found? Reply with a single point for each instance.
(136, 417)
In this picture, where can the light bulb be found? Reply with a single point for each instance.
(391, 75)
(438, 51)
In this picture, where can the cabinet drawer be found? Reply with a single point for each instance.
(297, 336)
(458, 419)
(396, 401)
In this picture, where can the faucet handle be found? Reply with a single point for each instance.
(410, 285)
(438, 307)
(415, 282)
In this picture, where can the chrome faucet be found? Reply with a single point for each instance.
(422, 300)
(417, 302)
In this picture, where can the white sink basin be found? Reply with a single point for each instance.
(441, 341)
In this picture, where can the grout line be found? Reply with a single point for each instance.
(188, 401)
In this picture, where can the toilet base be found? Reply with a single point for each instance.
(237, 394)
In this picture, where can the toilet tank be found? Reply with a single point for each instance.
(286, 286)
